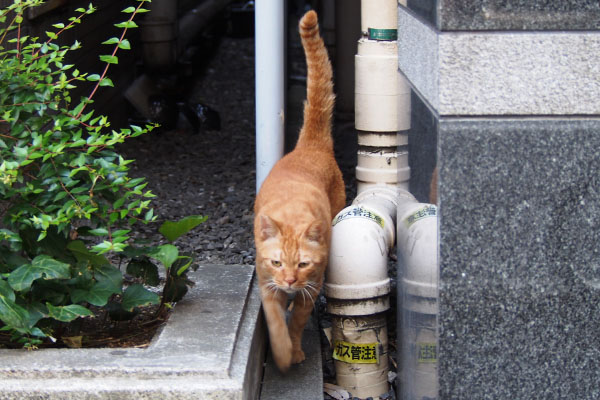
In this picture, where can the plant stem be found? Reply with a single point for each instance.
(112, 55)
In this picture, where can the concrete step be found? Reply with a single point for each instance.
(212, 347)
(303, 381)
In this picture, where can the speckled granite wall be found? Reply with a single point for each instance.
(461, 15)
(519, 196)
(520, 259)
(422, 148)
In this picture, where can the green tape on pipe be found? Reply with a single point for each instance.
(383, 34)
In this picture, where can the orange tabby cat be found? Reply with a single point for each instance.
(294, 209)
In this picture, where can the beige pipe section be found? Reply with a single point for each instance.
(382, 103)
(380, 14)
(382, 96)
(360, 335)
(382, 160)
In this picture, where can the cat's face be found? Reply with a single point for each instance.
(291, 260)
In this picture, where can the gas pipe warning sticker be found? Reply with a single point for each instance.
(356, 353)
(426, 352)
(427, 211)
(358, 212)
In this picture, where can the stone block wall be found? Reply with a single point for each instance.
(506, 102)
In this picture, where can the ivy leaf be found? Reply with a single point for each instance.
(182, 264)
(14, 316)
(110, 277)
(137, 295)
(166, 254)
(175, 289)
(145, 269)
(68, 313)
(98, 295)
(6, 290)
(173, 230)
(41, 267)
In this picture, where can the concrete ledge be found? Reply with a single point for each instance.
(501, 73)
(212, 348)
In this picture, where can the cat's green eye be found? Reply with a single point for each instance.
(276, 263)
(303, 265)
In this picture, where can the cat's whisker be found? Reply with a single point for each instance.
(272, 287)
(312, 299)
(312, 286)
(310, 296)
(303, 297)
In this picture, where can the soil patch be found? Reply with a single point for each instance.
(101, 331)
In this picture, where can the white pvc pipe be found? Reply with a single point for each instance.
(357, 287)
(361, 237)
(380, 14)
(269, 82)
(382, 95)
(417, 311)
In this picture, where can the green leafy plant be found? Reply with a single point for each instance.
(67, 202)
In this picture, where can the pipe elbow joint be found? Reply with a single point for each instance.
(361, 238)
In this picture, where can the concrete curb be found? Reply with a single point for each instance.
(212, 348)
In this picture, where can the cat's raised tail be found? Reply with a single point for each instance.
(318, 108)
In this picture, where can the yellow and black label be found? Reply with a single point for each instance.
(358, 212)
(428, 211)
(356, 353)
(426, 352)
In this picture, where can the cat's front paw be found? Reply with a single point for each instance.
(298, 356)
(283, 361)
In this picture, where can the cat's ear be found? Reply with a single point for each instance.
(268, 228)
(315, 233)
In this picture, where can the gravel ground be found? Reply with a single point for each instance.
(210, 173)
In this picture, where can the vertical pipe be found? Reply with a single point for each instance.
(269, 69)
(417, 311)
(382, 100)
(357, 288)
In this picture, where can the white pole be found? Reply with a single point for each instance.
(269, 70)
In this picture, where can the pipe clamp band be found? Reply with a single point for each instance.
(383, 34)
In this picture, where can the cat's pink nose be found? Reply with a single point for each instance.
(290, 281)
